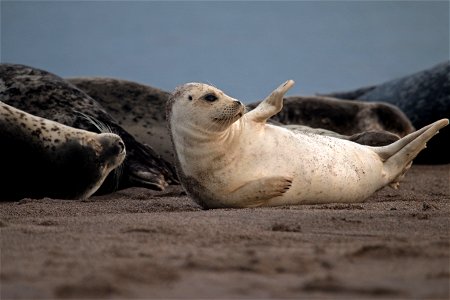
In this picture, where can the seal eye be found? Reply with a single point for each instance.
(210, 97)
(190, 98)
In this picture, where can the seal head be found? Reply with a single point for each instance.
(219, 110)
(43, 158)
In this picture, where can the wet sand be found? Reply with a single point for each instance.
(139, 243)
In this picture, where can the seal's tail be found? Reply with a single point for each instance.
(398, 156)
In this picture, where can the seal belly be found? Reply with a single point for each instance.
(324, 169)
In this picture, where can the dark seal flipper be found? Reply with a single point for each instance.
(49, 96)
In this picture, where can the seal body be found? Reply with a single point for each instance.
(423, 96)
(138, 108)
(48, 96)
(42, 158)
(346, 117)
(230, 159)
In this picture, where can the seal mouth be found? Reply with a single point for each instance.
(235, 117)
(231, 113)
(240, 113)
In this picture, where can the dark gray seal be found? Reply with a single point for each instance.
(42, 158)
(138, 108)
(423, 97)
(46, 95)
(372, 124)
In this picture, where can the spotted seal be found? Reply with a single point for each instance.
(138, 108)
(46, 95)
(42, 158)
(343, 117)
(229, 158)
(423, 97)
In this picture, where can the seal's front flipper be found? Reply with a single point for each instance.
(256, 193)
(271, 105)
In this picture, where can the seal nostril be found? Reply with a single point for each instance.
(121, 146)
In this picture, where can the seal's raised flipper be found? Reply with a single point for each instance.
(271, 105)
(256, 192)
(398, 156)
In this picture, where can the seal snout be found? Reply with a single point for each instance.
(241, 108)
(237, 103)
(112, 145)
(118, 147)
(121, 146)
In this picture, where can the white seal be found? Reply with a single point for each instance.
(226, 158)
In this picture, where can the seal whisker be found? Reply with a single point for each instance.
(117, 173)
(101, 127)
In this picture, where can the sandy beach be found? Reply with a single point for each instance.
(138, 243)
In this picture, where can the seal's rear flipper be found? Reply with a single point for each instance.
(398, 156)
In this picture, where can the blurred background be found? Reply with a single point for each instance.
(244, 48)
